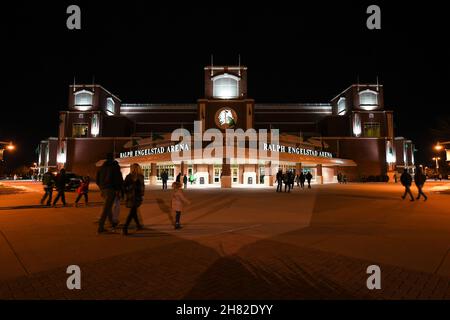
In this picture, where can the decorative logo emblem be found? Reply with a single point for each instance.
(226, 118)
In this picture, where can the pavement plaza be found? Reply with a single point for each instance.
(237, 243)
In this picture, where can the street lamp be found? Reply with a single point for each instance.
(9, 146)
(437, 162)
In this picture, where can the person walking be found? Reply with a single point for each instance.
(83, 191)
(185, 181)
(110, 182)
(406, 181)
(178, 201)
(48, 181)
(134, 191)
(339, 178)
(302, 180)
(419, 180)
(287, 182)
(292, 180)
(178, 179)
(308, 178)
(279, 181)
(61, 180)
(164, 178)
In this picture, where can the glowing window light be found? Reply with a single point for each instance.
(390, 154)
(62, 154)
(83, 100)
(95, 125)
(368, 100)
(356, 125)
(226, 86)
(341, 106)
(110, 105)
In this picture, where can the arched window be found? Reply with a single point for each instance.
(226, 86)
(368, 99)
(341, 106)
(110, 105)
(83, 98)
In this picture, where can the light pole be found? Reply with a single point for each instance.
(6, 146)
(437, 163)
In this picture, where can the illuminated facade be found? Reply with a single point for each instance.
(352, 134)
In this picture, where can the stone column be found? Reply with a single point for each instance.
(153, 177)
(210, 173)
(226, 180)
(268, 177)
(298, 168)
(319, 177)
(183, 168)
(241, 174)
(336, 171)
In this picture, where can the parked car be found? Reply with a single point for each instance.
(73, 181)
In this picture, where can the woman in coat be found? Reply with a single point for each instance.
(134, 192)
(178, 201)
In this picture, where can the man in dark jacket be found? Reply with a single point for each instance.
(164, 178)
(61, 180)
(185, 181)
(287, 181)
(279, 181)
(48, 180)
(308, 178)
(110, 182)
(302, 180)
(406, 181)
(419, 180)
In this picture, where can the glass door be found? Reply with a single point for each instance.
(217, 173)
(235, 174)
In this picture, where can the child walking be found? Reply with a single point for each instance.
(83, 190)
(178, 201)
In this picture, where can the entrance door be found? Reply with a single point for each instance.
(235, 174)
(217, 173)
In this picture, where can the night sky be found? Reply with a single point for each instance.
(294, 52)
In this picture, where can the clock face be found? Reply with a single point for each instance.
(226, 118)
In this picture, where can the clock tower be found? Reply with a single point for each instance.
(226, 105)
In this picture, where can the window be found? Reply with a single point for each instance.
(80, 130)
(341, 106)
(368, 100)
(372, 130)
(95, 125)
(226, 86)
(83, 98)
(110, 106)
(356, 125)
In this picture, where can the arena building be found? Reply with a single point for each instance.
(353, 134)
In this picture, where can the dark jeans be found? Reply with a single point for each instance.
(49, 194)
(309, 184)
(421, 192)
(408, 191)
(61, 194)
(164, 186)
(177, 217)
(86, 198)
(280, 187)
(109, 195)
(286, 186)
(133, 215)
(302, 184)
